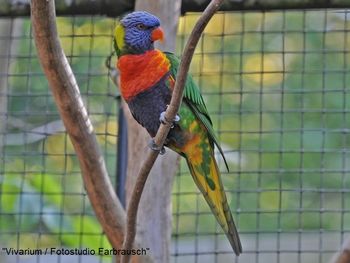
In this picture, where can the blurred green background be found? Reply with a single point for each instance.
(275, 84)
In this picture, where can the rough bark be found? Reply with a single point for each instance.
(155, 213)
(66, 93)
(118, 7)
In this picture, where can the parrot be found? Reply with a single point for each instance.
(147, 79)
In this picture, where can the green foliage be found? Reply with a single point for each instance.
(41, 201)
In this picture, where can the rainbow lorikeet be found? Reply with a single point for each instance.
(147, 78)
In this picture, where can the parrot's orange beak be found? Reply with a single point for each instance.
(157, 34)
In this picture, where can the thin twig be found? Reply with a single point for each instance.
(164, 128)
(66, 93)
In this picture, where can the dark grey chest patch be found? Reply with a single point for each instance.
(147, 106)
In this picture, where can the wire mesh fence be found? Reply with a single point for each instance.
(43, 201)
(275, 84)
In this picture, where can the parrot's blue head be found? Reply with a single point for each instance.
(136, 33)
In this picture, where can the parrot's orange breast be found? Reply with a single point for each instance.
(140, 72)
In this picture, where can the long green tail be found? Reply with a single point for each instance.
(213, 191)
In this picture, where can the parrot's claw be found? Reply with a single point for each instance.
(153, 146)
(164, 120)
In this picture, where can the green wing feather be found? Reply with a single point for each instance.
(195, 100)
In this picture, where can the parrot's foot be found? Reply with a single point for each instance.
(164, 120)
(153, 146)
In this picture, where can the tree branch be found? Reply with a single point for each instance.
(65, 90)
(163, 130)
(154, 221)
(343, 256)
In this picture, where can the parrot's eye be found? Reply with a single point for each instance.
(141, 27)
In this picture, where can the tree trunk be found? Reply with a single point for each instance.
(154, 222)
